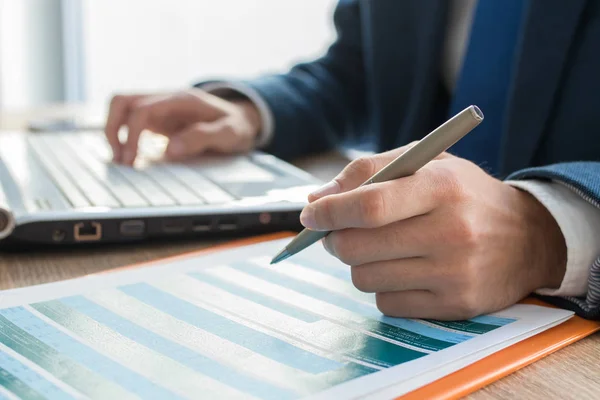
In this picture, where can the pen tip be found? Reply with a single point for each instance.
(282, 255)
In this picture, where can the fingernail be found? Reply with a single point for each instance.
(307, 218)
(326, 190)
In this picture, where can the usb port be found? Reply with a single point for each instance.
(202, 225)
(132, 228)
(227, 223)
(174, 226)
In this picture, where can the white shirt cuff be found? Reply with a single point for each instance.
(266, 115)
(579, 222)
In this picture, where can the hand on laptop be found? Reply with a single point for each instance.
(449, 242)
(194, 121)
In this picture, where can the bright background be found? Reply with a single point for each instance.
(86, 50)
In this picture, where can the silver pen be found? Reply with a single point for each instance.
(406, 164)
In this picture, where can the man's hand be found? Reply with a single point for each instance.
(449, 242)
(194, 121)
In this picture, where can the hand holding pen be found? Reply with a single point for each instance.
(433, 235)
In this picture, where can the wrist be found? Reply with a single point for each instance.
(546, 243)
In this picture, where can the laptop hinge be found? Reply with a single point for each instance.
(7, 219)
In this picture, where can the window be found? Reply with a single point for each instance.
(31, 63)
(88, 49)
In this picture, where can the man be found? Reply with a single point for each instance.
(452, 241)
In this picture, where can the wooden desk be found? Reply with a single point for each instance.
(571, 373)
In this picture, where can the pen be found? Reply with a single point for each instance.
(405, 164)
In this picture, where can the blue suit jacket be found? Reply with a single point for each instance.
(382, 78)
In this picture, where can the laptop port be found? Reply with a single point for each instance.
(174, 226)
(202, 225)
(227, 223)
(87, 231)
(58, 235)
(132, 228)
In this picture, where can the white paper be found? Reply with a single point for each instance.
(230, 325)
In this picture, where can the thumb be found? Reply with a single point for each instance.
(194, 139)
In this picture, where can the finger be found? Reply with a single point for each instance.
(137, 122)
(425, 304)
(414, 237)
(411, 304)
(359, 171)
(193, 140)
(396, 275)
(379, 204)
(188, 106)
(164, 114)
(356, 173)
(117, 117)
(408, 304)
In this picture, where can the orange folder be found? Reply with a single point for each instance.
(507, 361)
(476, 375)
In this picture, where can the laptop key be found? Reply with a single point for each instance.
(94, 191)
(107, 176)
(155, 194)
(38, 191)
(69, 189)
(204, 188)
(96, 144)
(233, 169)
(181, 193)
(150, 190)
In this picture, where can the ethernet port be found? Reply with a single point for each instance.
(87, 231)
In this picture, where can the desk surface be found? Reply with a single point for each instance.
(571, 373)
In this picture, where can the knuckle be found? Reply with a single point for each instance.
(464, 232)
(465, 305)
(362, 279)
(198, 129)
(372, 207)
(447, 178)
(463, 289)
(363, 166)
(118, 101)
(386, 305)
(367, 279)
(343, 247)
(141, 111)
(465, 277)
(228, 127)
(156, 111)
(324, 214)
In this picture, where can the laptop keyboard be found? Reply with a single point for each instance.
(29, 186)
(82, 175)
(60, 171)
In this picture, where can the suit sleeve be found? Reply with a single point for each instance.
(582, 179)
(317, 104)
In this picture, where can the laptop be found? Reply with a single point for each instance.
(60, 188)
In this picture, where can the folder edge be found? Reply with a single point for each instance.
(504, 362)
